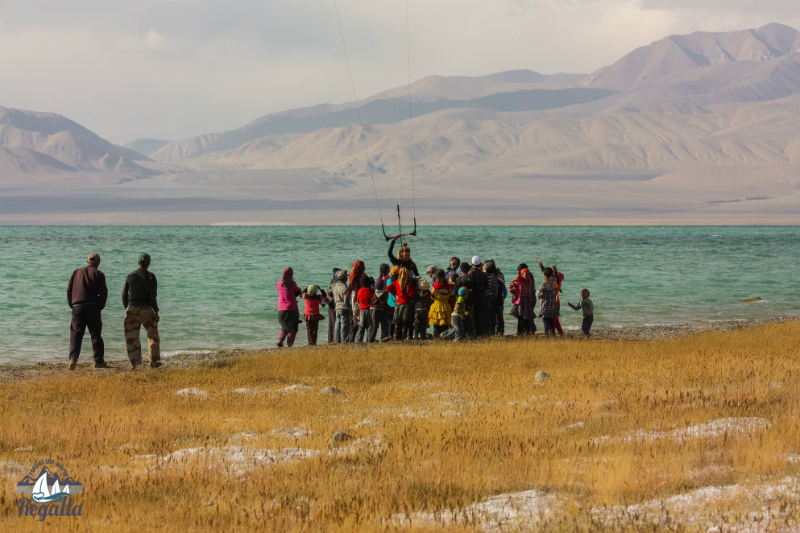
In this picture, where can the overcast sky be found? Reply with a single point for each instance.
(170, 69)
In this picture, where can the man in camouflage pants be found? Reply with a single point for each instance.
(141, 309)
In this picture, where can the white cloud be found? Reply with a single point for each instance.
(154, 40)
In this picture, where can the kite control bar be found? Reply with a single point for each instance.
(399, 225)
(413, 233)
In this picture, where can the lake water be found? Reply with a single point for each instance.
(217, 285)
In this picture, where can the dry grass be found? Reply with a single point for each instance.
(440, 428)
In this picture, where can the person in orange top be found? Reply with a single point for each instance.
(364, 299)
(403, 290)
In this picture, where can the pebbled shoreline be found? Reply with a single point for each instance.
(13, 373)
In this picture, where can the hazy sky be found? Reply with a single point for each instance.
(170, 69)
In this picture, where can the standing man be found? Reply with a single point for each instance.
(86, 295)
(141, 309)
(478, 297)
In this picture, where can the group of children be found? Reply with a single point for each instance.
(464, 301)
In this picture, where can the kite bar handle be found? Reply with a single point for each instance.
(413, 233)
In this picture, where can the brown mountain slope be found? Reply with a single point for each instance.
(32, 142)
(678, 53)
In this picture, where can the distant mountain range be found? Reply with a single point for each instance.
(46, 144)
(146, 146)
(375, 112)
(699, 127)
(681, 53)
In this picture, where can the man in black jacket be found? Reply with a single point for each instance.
(141, 309)
(479, 296)
(86, 295)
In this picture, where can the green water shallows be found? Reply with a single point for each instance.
(217, 285)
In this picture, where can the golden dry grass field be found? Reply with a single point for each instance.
(672, 434)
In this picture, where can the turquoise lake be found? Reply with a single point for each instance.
(217, 285)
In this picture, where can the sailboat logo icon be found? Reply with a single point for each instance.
(48, 490)
(42, 495)
(49, 487)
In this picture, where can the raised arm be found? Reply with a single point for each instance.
(392, 258)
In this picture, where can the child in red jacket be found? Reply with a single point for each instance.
(364, 299)
(313, 296)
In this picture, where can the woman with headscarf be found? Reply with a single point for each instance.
(558, 278)
(357, 271)
(523, 291)
(548, 309)
(403, 259)
(288, 315)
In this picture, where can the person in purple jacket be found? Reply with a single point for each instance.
(288, 315)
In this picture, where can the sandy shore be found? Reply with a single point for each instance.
(639, 333)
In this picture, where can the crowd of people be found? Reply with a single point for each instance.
(464, 301)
